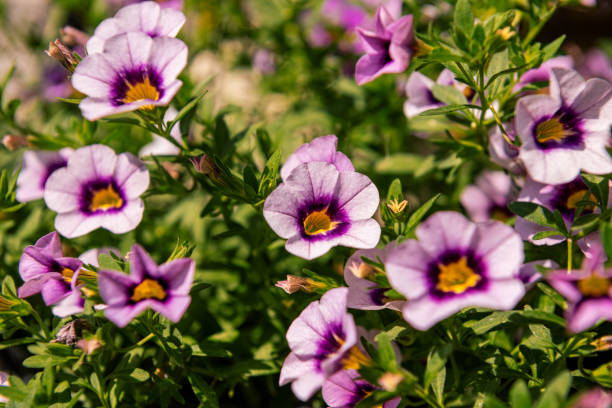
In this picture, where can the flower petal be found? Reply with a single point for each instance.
(174, 308)
(406, 266)
(178, 274)
(131, 175)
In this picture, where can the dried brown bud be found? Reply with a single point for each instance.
(73, 37)
(14, 142)
(297, 283)
(63, 54)
(68, 333)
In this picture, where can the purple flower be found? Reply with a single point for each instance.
(344, 390)
(323, 340)
(594, 398)
(503, 153)
(318, 207)
(134, 71)
(364, 292)
(543, 72)
(455, 264)
(74, 302)
(45, 270)
(146, 17)
(596, 64)
(588, 291)
(163, 288)
(322, 149)
(566, 131)
(419, 93)
(563, 197)
(263, 61)
(97, 189)
(37, 167)
(489, 198)
(389, 48)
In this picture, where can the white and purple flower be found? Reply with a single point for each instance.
(345, 389)
(455, 264)
(419, 92)
(318, 207)
(489, 198)
(134, 71)
(565, 131)
(164, 288)
(503, 153)
(323, 149)
(97, 189)
(146, 17)
(38, 165)
(543, 72)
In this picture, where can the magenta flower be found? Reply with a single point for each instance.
(323, 340)
(566, 131)
(344, 390)
(163, 288)
(97, 189)
(321, 149)
(419, 93)
(594, 398)
(455, 264)
(73, 302)
(489, 198)
(364, 292)
(588, 291)
(37, 167)
(146, 17)
(45, 270)
(543, 72)
(134, 71)
(318, 207)
(389, 48)
(563, 197)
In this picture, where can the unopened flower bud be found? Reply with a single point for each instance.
(73, 37)
(6, 304)
(207, 166)
(390, 381)
(63, 54)
(297, 283)
(14, 142)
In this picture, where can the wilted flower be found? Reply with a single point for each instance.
(58, 51)
(68, 333)
(318, 207)
(566, 131)
(97, 189)
(321, 149)
(146, 17)
(90, 345)
(38, 165)
(44, 269)
(134, 71)
(489, 198)
(297, 283)
(455, 264)
(164, 288)
(345, 389)
(323, 340)
(389, 48)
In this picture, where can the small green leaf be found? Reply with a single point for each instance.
(449, 95)
(395, 190)
(206, 395)
(139, 375)
(534, 213)
(443, 110)
(551, 49)
(418, 215)
(519, 395)
(556, 391)
(603, 375)
(435, 362)
(463, 18)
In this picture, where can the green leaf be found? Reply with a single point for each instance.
(139, 375)
(551, 49)
(436, 362)
(606, 237)
(599, 186)
(187, 108)
(206, 395)
(448, 94)
(13, 393)
(556, 392)
(395, 190)
(491, 321)
(399, 163)
(69, 100)
(463, 18)
(443, 110)
(417, 216)
(519, 395)
(545, 234)
(107, 262)
(386, 354)
(603, 375)
(534, 213)
(270, 174)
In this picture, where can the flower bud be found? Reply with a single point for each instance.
(207, 166)
(297, 283)
(63, 54)
(389, 381)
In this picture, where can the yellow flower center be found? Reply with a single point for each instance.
(595, 286)
(355, 359)
(104, 199)
(456, 277)
(149, 288)
(577, 196)
(552, 130)
(140, 91)
(67, 274)
(318, 222)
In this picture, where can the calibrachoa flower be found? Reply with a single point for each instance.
(503, 153)
(389, 48)
(419, 93)
(455, 264)
(489, 198)
(164, 288)
(323, 340)
(542, 73)
(97, 189)
(44, 268)
(344, 390)
(364, 293)
(318, 207)
(146, 17)
(38, 165)
(563, 197)
(594, 398)
(322, 149)
(566, 131)
(134, 71)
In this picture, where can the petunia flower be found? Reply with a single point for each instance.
(318, 207)
(146, 17)
(37, 167)
(323, 340)
(45, 270)
(455, 264)
(489, 198)
(389, 48)
(345, 389)
(588, 291)
(164, 288)
(563, 197)
(134, 71)
(543, 72)
(566, 131)
(323, 149)
(97, 189)
(364, 292)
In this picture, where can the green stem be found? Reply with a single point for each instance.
(569, 255)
